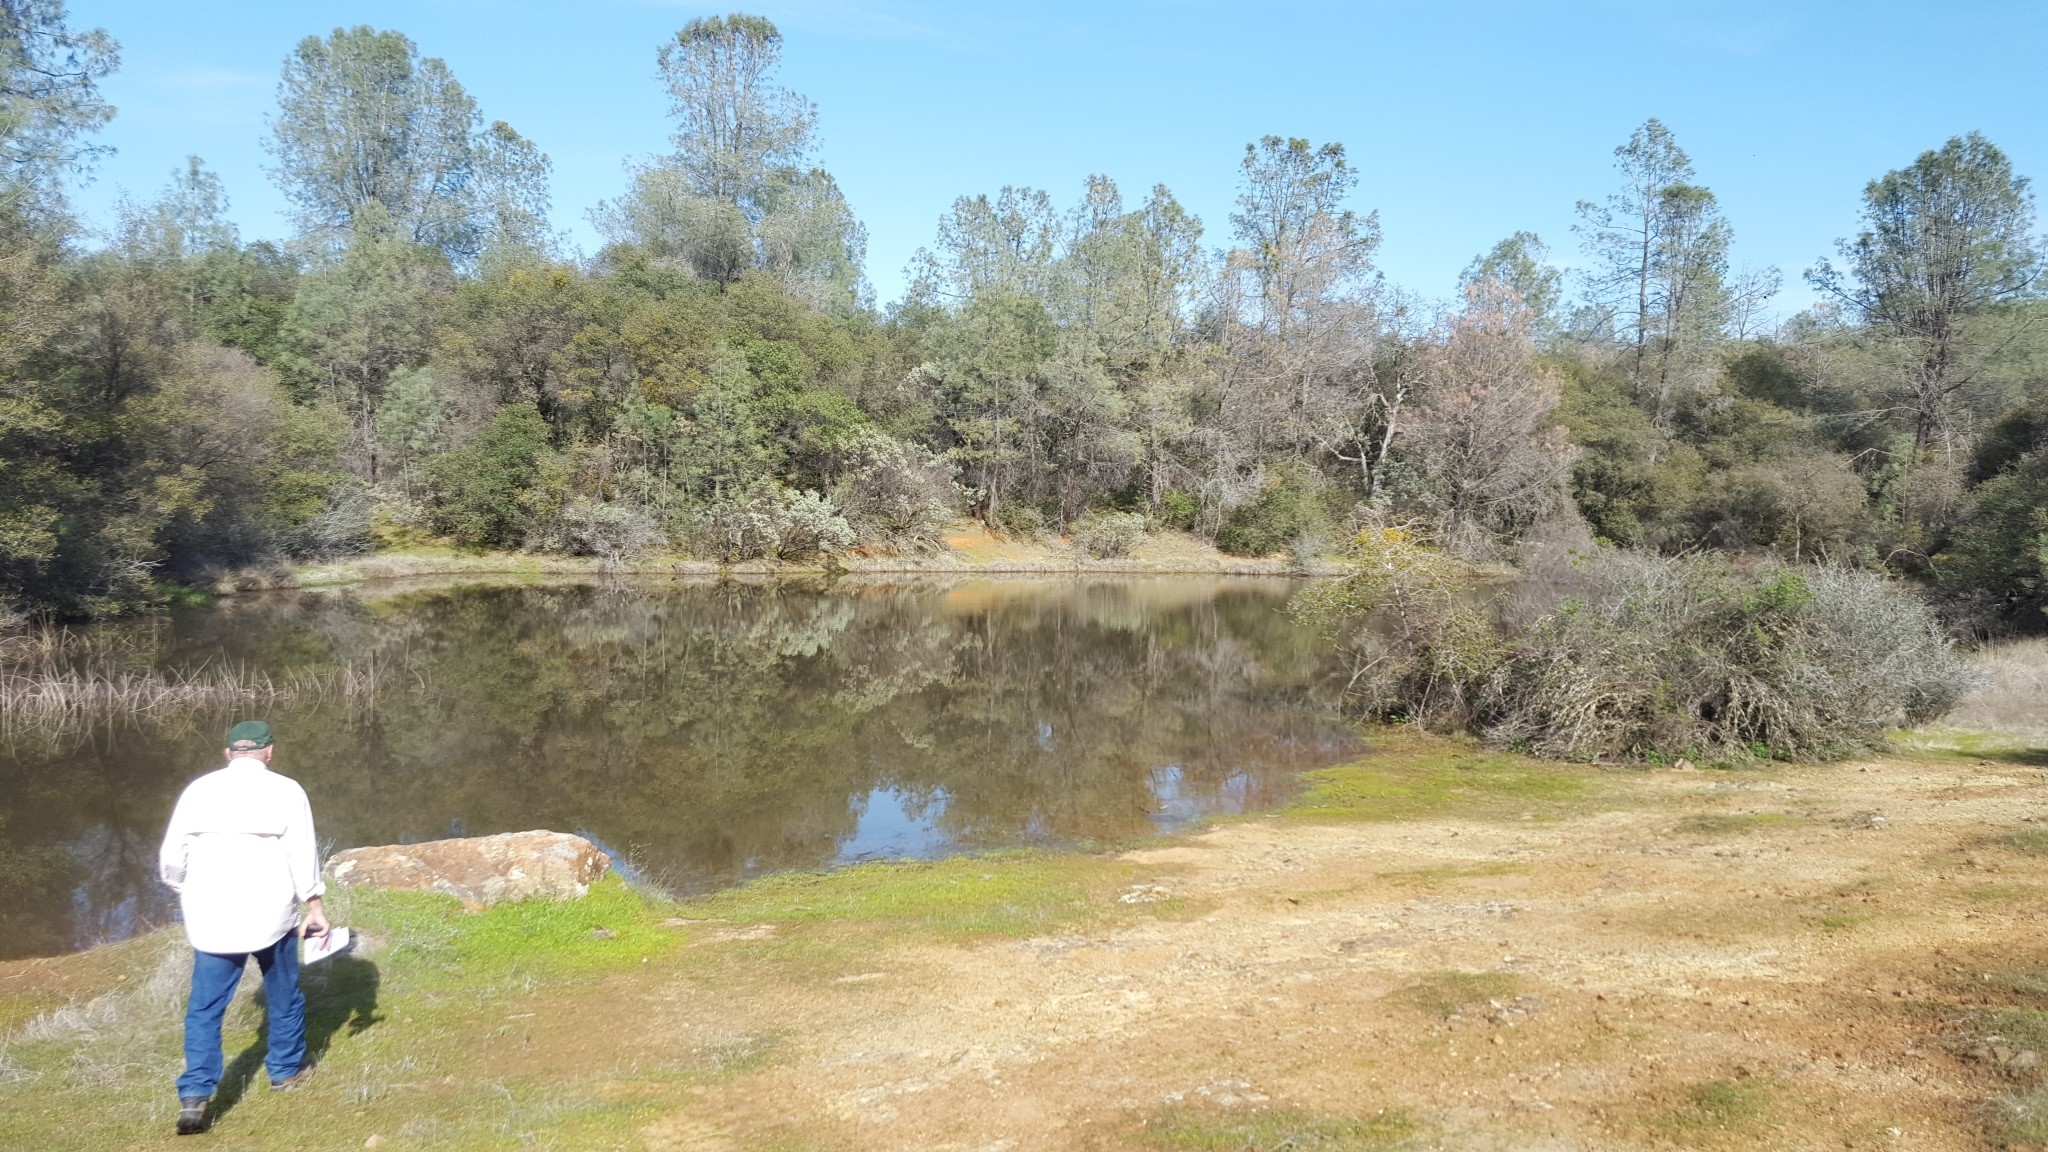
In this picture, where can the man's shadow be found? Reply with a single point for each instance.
(341, 995)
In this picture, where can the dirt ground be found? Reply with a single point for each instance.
(1807, 957)
(1798, 957)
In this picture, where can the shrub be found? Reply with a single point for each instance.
(807, 524)
(342, 523)
(770, 521)
(1108, 535)
(1419, 643)
(1676, 655)
(1178, 510)
(1647, 656)
(477, 487)
(610, 531)
(2000, 553)
(1286, 508)
(1019, 519)
(892, 493)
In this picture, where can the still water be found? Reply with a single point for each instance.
(703, 734)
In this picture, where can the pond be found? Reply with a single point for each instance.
(701, 733)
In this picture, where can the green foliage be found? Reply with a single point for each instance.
(365, 123)
(2000, 553)
(1290, 505)
(1178, 510)
(479, 487)
(1052, 365)
(1419, 641)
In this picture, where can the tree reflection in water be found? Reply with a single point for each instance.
(706, 732)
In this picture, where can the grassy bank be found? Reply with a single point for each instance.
(969, 549)
(1437, 946)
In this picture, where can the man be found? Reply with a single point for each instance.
(240, 855)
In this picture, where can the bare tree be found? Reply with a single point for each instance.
(1485, 458)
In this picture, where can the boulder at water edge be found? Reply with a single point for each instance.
(478, 870)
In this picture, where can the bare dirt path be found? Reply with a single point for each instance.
(1809, 957)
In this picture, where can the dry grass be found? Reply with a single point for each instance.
(2014, 694)
(57, 681)
(126, 1035)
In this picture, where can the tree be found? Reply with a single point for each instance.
(989, 363)
(735, 128)
(1485, 456)
(1521, 262)
(1297, 296)
(363, 317)
(1009, 244)
(720, 446)
(2000, 553)
(363, 119)
(1301, 245)
(1623, 234)
(1659, 249)
(49, 100)
(479, 485)
(1945, 238)
(740, 191)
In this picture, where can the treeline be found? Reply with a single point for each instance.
(424, 360)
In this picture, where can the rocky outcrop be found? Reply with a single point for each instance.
(478, 870)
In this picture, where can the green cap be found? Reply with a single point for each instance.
(248, 736)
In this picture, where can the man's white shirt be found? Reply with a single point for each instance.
(241, 856)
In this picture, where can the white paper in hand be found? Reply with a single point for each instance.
(316, 948)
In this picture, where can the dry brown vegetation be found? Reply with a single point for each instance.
(2014, 693)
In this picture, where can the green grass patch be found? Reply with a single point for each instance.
(1191, 1131)
(1411, 775)
(2019, 1027)
(430, 935)
(1448, 994)
(2000, 894)
(1715, 1109)
(1725, 823)
(2032, 841)
(1940, 742)
(961, 899)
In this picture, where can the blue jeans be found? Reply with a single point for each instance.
(214, 977)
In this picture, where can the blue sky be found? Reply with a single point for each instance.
(1468, 119)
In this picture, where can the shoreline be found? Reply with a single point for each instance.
(969, 553)
(1436, 944)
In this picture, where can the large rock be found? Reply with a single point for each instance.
(478, 870)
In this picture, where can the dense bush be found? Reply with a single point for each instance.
(894, 494)
(2000, 553)
(477, 487)
(1108, 535)
(770, 522)
(1643, 656)
(1289, 505)
(612, 532)
(1689, 655)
